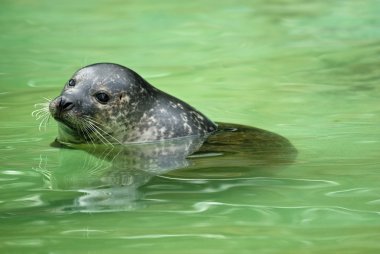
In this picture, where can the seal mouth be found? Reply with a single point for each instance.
(64, 121)
(67, 118)
(77, 125)
(75, 129)
(64, 117)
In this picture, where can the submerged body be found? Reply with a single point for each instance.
(109, 103)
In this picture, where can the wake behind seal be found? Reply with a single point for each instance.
(107, 103)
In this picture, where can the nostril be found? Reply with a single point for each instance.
(65, 105)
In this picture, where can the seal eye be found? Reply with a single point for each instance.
(102, 97)
(71, 82)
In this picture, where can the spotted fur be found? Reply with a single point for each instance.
(136, 111)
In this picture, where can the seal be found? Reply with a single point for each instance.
(106, 103)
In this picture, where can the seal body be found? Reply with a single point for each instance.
(109, 103)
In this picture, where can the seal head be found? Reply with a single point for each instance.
(109, 103)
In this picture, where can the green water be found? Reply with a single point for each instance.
(308, 70)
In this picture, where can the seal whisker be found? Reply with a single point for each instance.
(98, 134)
(92, 120)
(91, 128)
(104, 132)
(87, 134)
(47, 121)
(84, 130)
(42, 104)
(97, 125)
(44, 121)
(37, 112)
(106, 141)
(41, 114)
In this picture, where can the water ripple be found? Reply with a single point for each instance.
(20, 140)
(85, 230)
(31, 201)
(349, 192)
(12, 172)
(226, 184)
(155, 236)
(204, 206)
(278, 179)
(25, 242)
(374, 202)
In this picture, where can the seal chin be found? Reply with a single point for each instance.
(68, 134)
(64, 122)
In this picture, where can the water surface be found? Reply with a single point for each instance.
(307, 70)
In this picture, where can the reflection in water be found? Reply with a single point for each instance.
(109, 177)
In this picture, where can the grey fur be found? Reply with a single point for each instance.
(136, 111)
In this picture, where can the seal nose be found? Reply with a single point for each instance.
(64, 104)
